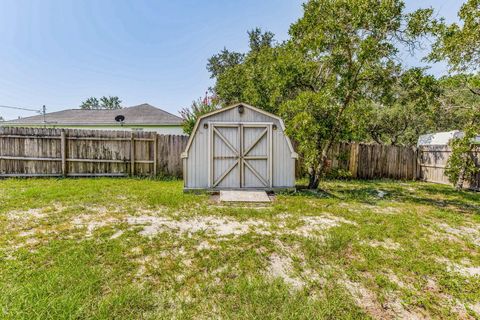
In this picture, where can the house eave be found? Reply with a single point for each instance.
(17, 124)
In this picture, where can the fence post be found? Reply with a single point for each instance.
(353, 165)
(418, 163)
(63, 151)
(155, 154)
(132, 154)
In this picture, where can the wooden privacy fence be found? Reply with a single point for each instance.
(371, 161)
(433, 160)
(30, 152)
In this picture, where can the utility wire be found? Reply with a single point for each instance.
(20, 108)
(42, 111)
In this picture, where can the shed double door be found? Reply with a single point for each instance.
(240, 155)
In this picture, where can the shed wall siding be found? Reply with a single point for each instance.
(197, 162)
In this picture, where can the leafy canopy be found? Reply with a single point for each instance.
(104, 103)
(197, 109)
(341, 60)
(408, 110)
(459, 46)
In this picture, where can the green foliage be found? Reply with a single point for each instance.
(339, 174)
(260, 40)
(340, 61)
(225, 60)
(309, 118)
(197, 109)
(457, 101)
(461, 164)
(459, 44)
(408, 110)
(219, 63)
(109, 103)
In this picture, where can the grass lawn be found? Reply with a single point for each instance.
(142, 249)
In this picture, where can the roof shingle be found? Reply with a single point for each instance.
(143, 114)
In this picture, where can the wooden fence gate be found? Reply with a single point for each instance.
(32, 152)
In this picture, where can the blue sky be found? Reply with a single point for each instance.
(60, 52)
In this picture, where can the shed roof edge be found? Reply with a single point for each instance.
(195, 128)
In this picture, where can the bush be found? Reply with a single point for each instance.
(461, 163)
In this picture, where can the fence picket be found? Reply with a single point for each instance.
(71, 152)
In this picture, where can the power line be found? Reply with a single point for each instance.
(21, 108)
(42, 111)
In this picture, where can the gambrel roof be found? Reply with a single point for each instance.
(268, 114)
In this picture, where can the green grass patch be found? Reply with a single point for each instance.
(142, 249)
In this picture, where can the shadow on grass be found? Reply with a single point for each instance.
(302, 190)
(372, 192)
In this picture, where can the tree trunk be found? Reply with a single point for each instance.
(320, 170)
(461, 174)
(312, 178)
(319, 173)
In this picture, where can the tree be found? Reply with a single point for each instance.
(259, 40)
(457, 102)
(354, 44)
(269, 75)
(197, 109)
(464, 106)
(461, 164)
(109, 103)
(409, 109)
(225, 60)
(90, 103)
(341, 58)
(459, 46)
(222, 61)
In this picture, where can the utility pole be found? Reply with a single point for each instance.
(44, 111)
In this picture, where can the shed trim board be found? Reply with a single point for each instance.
(240, 155)
(268, 114)
(239, 148)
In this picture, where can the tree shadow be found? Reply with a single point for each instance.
(438, 196)
(303, 190)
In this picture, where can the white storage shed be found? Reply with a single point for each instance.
(239, 147)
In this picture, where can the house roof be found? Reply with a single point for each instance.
(143, 114)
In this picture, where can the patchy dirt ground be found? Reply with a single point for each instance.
(378, 250)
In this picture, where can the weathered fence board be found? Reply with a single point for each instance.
(45, 152)
(57, 152)
(433, 160)
(373, 161)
